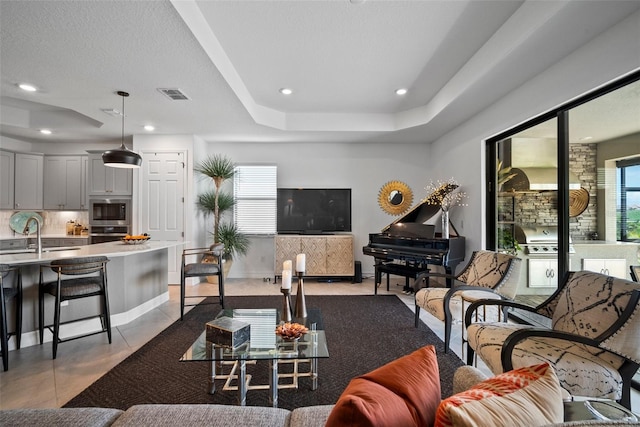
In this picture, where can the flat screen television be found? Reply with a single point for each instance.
(313, 210)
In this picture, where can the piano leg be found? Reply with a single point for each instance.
(448, 280)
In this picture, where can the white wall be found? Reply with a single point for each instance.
(364, 168)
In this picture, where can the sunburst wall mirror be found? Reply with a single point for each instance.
(395, 197)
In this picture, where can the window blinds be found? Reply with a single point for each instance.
(254, 191)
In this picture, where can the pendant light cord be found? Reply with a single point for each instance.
(123, 95)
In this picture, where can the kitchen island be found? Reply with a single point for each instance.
(137, 279)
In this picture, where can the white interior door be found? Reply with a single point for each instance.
(163, 182)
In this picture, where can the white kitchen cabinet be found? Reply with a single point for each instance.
(105, 181)
(543, 273)
(609, 266)
(63, 183)
(29, 181)
(330, 255)
(7, 183)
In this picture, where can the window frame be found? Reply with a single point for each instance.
(623, 189)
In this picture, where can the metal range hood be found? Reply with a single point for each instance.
(534, 166)
(537, 179)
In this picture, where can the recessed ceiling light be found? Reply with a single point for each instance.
(149, 128)
(27, 87)
(585, 138)
(45, 131)
(286, 91)
(401, 91)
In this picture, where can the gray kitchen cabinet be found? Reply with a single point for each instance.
(105, 181)
(84, 183)
(29, 180)
(7, 170)
(8, 244)
(610, 267)
(55, 242)
(63, 183)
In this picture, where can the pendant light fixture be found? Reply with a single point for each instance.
(122, 157)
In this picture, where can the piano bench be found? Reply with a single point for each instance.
(407, 271)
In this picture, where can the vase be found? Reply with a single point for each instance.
(445, 224)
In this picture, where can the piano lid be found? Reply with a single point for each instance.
(426, 209)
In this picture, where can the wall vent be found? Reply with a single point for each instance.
(112, 112)
(174, 94)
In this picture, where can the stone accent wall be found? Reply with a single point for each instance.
(582, 162)
(540, 208)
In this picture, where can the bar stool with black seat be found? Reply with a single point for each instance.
(88, 279)
(209, 263)
(10, 292)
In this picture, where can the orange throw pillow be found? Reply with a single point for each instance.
(404, 392)
(529, 396)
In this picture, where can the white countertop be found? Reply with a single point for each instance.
(13, 236)
(604, 242)
(109, 249)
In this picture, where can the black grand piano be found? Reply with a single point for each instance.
(408, 246)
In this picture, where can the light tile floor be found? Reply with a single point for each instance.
(34, 380)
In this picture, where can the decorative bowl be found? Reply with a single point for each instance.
(135, 240)
(291, 331)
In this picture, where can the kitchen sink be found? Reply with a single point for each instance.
(33, 251)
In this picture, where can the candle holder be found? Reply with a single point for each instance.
(301, 305)
(286, 306)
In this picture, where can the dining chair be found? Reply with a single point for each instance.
(202, 262)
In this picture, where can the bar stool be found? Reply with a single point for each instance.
(7, 294)
(202, 269)
(92, 282)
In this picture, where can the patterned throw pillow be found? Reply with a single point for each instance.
(529, 396)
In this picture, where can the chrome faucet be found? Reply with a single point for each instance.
(38, 232)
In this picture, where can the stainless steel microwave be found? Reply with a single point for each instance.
(110, 212)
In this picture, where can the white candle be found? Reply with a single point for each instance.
(287, 265)
(300, 261)
(286, 279)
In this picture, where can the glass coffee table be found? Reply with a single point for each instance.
(230, 364)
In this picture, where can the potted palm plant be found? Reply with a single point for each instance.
(216, 202)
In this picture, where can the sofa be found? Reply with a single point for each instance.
(370, 393)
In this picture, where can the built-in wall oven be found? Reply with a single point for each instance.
(109, 219)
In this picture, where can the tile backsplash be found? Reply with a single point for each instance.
(54, 221)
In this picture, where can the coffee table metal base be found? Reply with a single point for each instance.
(238, 375)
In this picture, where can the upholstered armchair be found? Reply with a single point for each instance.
(593, 341)
(487, 273)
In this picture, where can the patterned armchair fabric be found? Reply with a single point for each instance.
(593, 342)
(493, 274)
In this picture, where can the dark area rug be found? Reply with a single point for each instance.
(363, 333)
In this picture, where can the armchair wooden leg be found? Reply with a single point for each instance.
(417, 316)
